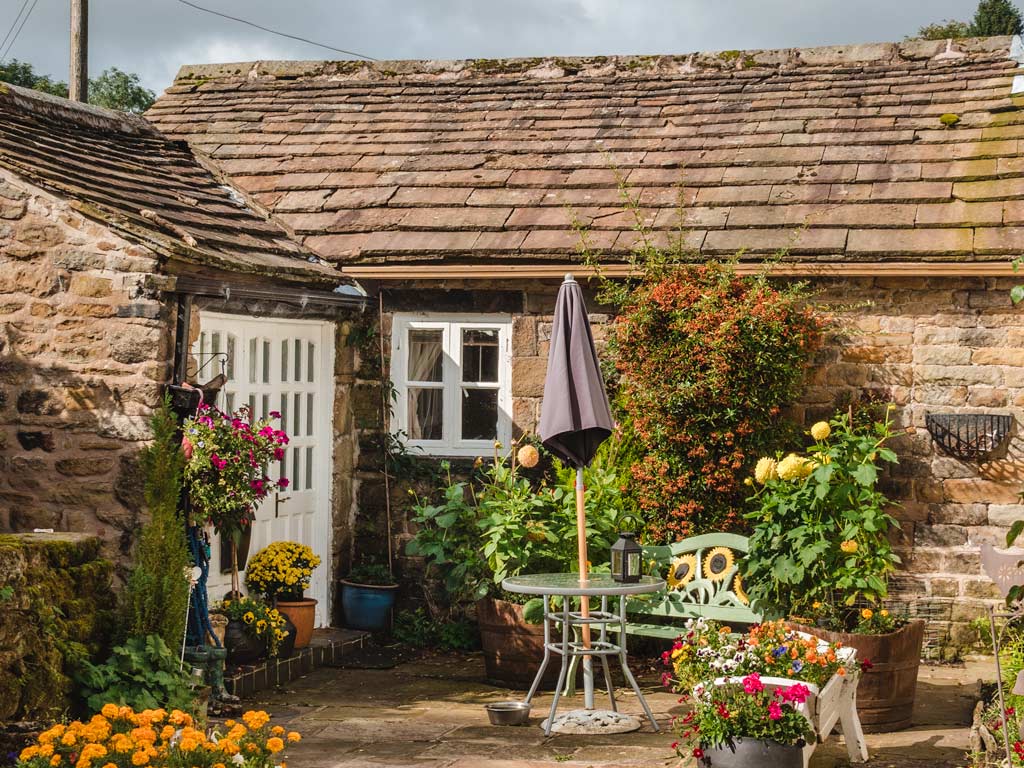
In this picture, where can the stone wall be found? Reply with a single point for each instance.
(927, 344)
(84, 350)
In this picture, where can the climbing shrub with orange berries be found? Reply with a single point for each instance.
(119, 737)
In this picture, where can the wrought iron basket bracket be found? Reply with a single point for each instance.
(969, 436)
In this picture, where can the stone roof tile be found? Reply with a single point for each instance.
(837, 153)
(120, 170)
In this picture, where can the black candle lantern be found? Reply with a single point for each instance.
(626, 558)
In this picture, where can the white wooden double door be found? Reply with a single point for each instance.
(285, 366)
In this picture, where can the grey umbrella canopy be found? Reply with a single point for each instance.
(574, 420)
(574, 417)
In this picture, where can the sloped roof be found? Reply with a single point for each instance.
(838, 154)
(120, 170)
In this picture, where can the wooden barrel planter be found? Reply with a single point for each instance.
(885, 695)
(512, 648)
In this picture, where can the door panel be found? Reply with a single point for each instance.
(283, 366)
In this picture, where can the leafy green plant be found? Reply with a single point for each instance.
(371, 574)
(142, 674)
(821, 529)
(418, 630)
(259, 621)
(156, 594)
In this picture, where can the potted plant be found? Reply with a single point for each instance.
(254, 630)
(504, 521)
(746, 725)
(821, 554)
(281, 572)
(367, 597)
(226, 456)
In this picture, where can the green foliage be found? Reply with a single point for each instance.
(119, 90)
(259, 621)
(706, 361)
(996, 17)
(156, 594)
(418, 630)
(113, 88)
(142, 674)
(371, 574)
(22, 74)
(820, 523)
(943, 30)
(505, 521)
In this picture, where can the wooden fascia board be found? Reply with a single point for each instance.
(893, 269)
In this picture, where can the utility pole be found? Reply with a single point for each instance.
(78, 83)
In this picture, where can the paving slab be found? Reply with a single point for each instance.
(428, 713)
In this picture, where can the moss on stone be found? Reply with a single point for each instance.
(59, 614)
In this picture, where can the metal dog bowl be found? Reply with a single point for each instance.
(508, 712)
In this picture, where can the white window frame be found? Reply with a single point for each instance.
(451, 326)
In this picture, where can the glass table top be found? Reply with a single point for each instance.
(570, 584)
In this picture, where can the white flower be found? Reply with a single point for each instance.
(237, 759)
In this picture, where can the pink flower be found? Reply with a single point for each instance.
(275, 415)
(186, 447)
(278, 454)
(774, 711)
(752, 683)
(267, 431)
(256, 485)
(282, 483)
(796, 693)
(698, 752)
(217, 461)
(281, 437)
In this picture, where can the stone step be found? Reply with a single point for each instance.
(328, 647)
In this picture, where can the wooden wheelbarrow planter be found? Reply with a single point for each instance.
(833, 705)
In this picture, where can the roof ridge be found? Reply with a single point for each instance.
(602, 66)
(87, 115)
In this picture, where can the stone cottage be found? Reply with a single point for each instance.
(127, 263)
(890, 174)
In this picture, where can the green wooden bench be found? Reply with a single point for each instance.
(703, 581)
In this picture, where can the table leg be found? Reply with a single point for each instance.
(562, 671)
(604, 658)
(625, 666)
(547, 652)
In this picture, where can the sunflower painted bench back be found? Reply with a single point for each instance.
(703, 579)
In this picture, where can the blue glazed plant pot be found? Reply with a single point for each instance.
(367, 606)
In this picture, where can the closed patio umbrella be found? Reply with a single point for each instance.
(575, 418)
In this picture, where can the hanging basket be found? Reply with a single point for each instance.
(969, 436)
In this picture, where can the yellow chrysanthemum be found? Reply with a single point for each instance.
(794, 467)
(274, 745)
(867, 613)
(737, 589)
(883, 613)
(294, 736)
(682, 571)
(717, 563)
(765, 470)
(849, 546)
(821, 431)
(109, 710)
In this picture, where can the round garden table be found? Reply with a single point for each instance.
(566, 644)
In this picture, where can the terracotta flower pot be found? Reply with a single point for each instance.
(301, 613)
(885, 694)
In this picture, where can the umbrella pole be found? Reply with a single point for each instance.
(581, 538)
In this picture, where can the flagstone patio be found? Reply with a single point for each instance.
(429, 713)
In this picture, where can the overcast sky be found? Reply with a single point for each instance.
(156, 37)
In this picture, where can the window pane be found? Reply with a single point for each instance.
(309, 413)
(297, 469)
(265, 400)
(231, 358)
(479, 414)
(284, 412)
(425, 413)
(309, 467)
(480, 355)
(252, 361)
(426, 356)
(266, 362)
(298, 360)
(309, 360)
(229, 402)
(297, 416)
(215, 344)
(284, 361)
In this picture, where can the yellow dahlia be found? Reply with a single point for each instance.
(821, 431)
(528, 456)
(849, 546)
(765, 470)
(867, 613)
(794, 467)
